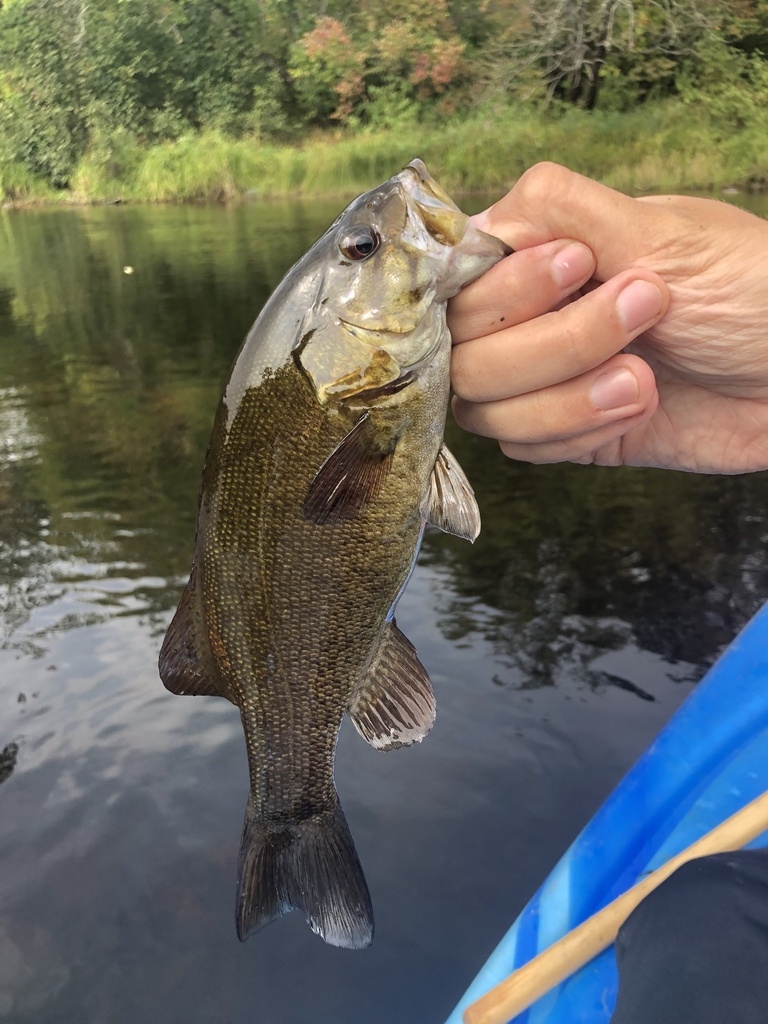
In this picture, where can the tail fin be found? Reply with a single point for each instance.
(311, 866)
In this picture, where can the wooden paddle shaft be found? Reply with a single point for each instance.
(521, 989)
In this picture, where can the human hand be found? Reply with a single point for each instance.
(661, 361)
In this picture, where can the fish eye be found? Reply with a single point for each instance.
(360, 243)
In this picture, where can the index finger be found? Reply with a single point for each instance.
(559, 345)
(550, 201)
(523, 286)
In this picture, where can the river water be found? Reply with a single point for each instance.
(558, 645)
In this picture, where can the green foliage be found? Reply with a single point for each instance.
(744, 25)
(324, 69)
(109, 167)
(72, 74)
(730, 88)
(207, 166)
(730, 85)
(346, 71)
(390, 106)
(183, 98)
(568, 49)
(657, 146)
(267, 118)
(18, 183)
(40, 88)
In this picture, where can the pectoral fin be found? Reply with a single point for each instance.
(350, 478)
(451, 505)
(394, 705)
(181, 667)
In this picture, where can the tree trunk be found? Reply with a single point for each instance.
(589, 98)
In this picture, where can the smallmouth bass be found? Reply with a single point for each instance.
(325, 462)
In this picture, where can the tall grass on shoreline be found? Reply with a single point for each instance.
(664, 146)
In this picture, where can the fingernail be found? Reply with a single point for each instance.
(638, 304)
(614, 389)
(572, 264)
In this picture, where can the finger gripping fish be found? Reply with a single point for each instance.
(325, 462)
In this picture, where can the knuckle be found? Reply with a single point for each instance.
(543, 180)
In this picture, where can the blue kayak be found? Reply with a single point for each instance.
(707, 763)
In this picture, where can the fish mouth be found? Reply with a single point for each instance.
(420, 176)
(441, 217)
(468, 251)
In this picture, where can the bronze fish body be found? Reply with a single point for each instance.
(326, 460)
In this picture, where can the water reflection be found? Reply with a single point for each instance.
(109, 385)
(587, 591)
(110, 382)
(8, 757)
(573, 563)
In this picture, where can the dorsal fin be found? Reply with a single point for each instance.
(394, 705)
(450, 504)
(181, 667)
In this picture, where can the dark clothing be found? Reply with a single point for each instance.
(696, 949)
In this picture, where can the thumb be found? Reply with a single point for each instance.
(550, 202)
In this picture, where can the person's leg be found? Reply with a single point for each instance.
(696, 949)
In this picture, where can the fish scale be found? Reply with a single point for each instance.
(325, 460)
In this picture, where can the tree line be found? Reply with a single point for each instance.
(74, 73)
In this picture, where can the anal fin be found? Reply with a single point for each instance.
(394, 705)
(451, 505)
(181, 668)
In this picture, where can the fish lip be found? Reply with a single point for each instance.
(420, 176)
(440, 217)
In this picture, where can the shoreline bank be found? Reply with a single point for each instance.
(660, 147)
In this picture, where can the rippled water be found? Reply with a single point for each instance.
(558, 645)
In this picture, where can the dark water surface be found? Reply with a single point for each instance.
(588, 592)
